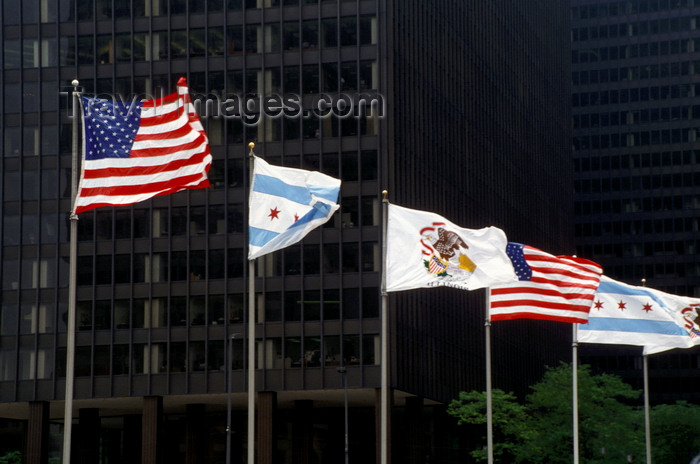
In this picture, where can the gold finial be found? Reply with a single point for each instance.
(385, 195)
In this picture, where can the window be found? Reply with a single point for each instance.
(331, 350)
(330, 31)
(312, 352)
(197, 358)
(309, 34)
(120, 359)
(178, 44)
(272, 38)
(291, 35)
(348, 31)
(351, 350)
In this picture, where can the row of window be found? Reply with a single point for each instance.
(49, 184)
(677, 359)
(649, 249)
(177, 311)
(643, 182)
(667, 271)
(645, 227)
(641, 116)
(635, 139)
(628, 7)
(656, 204)
(195, 356)
(656, 159)
(634, 95)
(184, 43)
(635, 73)
(45, 11)
(635, 29)
(35, 140)
(31, 97)
(178, 266)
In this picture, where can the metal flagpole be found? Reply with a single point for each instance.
(647, 422)
(72, 274)
(251, 342)
(384, 435)
(228, 362)
(574, 369)
(489, 394)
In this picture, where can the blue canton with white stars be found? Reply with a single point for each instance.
(515, 253)
(110, 127)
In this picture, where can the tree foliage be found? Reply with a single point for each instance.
(609, 427)
(675, 432)
(541, 429)
(509, 421)
(12, 457)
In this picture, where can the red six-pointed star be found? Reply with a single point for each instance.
(647, 307)
(274, 214)
(598, 305)
(622, 305)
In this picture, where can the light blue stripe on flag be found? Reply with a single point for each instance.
(327, 193)
(320, 210)
(259, 237)
(277, 187)
(633, 325)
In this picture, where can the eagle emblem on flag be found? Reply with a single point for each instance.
(691, 316)
(445, 250)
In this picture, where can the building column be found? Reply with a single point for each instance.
(378, 424)
(150, 428)
(302, 431)
(37, 451)
(196, 439)
(415, 451)
(265, 427)
(86, 449)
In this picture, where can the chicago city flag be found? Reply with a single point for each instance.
(627, 315)
(286, 204)
(426, 250)
(136, 151)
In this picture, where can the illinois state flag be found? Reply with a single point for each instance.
(135, 151)
(285, 204)
(627, 315)
(555, 288)
(426, 250)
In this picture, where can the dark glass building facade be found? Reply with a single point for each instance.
(636, 107)
(471, 122)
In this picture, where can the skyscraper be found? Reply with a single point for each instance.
(635, 113)
(470, 121)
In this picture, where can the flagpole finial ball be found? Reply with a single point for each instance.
(75, 83)
(251, 145)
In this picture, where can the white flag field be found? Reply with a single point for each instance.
(286, 204)
(628, 315)
(426, 250)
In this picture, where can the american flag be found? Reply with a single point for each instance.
(556, 288)
(134, 151)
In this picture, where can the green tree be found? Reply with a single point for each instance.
(509, 422)
(541, 430)
(609, 428)
(675, 432)
(12, 457)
